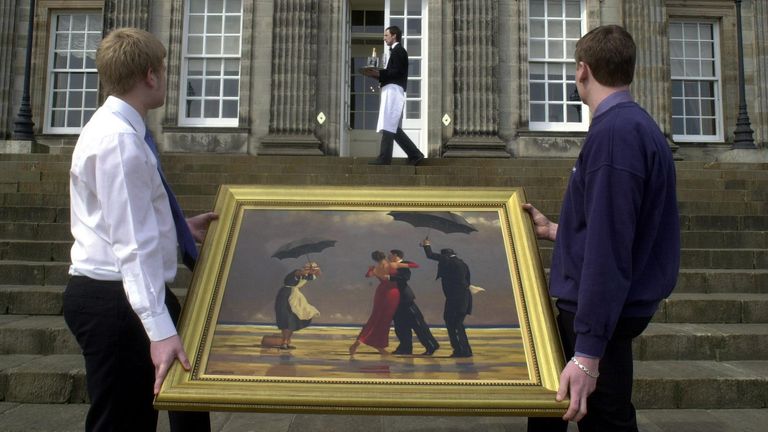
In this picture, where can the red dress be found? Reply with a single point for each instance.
(375, 332)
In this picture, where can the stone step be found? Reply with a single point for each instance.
(26, 231)
(678, 308)
(722, 281)
(33, 250)
(697, 258)
(701, 384)
(48, 334)
(26, 417)
(713, 308)
(718, 342)
(694, 280)
(34, 214)
(688, 384)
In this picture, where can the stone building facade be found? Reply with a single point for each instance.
(489, 78)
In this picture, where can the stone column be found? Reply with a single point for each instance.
(7, 15)
(647, 22)
(475, 81)
(126, 13)
(294, 80)
(760, 105)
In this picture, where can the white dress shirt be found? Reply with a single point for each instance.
(120, 216)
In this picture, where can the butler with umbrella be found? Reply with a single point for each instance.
(292, 310)
(451, 270)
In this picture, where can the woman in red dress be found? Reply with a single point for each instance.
(375, 332)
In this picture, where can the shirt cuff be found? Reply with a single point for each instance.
(159, 327)
(581, 354)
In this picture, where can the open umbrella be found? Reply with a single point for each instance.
(446, 222)
(303, 246)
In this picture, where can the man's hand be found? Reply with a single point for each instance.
(163, 354)
(424, 242)
(544, 228)
(370, 72)
(576, 383)
(198, 225)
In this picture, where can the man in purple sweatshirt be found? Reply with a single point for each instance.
(617, 243)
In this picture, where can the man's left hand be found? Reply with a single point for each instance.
(578, 385)
(198, 225)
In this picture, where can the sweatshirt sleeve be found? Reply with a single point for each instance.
(612, 201)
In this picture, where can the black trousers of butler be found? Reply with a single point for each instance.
(119, 370)
(609, 407)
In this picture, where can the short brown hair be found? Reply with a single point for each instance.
(124, 57)
(610, 53)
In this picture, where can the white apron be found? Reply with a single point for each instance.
(391, 108)
(299, 304)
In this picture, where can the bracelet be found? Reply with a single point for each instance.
(585, 369)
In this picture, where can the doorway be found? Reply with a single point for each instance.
(367, 21)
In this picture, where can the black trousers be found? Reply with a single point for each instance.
(609, 408)
(457, 334)
(408, 317)
(387, 143)
(119, 370)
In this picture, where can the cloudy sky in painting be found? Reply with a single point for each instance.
(343, 295)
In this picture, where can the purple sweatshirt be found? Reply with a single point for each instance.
(617, 251)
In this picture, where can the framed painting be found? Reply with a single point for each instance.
(280, 297)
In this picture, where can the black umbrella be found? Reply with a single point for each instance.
(303, 246)
(446, 222)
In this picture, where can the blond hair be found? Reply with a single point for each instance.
(125, 56)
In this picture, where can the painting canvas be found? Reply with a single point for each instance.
(278, 250)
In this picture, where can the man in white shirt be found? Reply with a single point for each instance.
(117, 302)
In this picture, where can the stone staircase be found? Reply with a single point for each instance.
(707, 347)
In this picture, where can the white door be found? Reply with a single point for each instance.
(411, 17)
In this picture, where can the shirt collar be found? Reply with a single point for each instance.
(127, 112)
(611, 100)
(394, 44)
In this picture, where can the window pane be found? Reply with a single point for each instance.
(692, 108)
(574, 113)
(195, 45)
(555, 29)
(62, 41)
(691, 50)
(538, 29)
(573, 8)
(675, 31)
(573, 29)
(213, 67)
(413, 109)
(196, 24)
(193, 109)
(212, 87)
(708, 126)
(414, 27)
(690, 31)
(211, 108)
(76, 100)
(63, 23)
(215, 6)
(215, 23)
(231, 45)
(707, 50)
(78, 22)
(414, 68)
(414, 47)
(692, 68)
(705, 31)
(194, 87)
(229, 109)
(707, 69)
(537, 71)
(708, 107)
(232, 24)
(76, 80)
(677, 107)
(691, 89)
(414, 88)
(676, 49)
(692, 126)
(707, 89)
(538, 49)
(538, 91)
(414, 7)
(554, 8)
(231, 88)
(197, 6)
(91, 99)
(397, 7)
(74, 119)
(233, 6)
(60, 60)
(555, 49)
(677, 89)
(538, 113)
(677, 68)
(213, 45)
(555, 113)
(59, 99)
(195, 68)
(231, 67)
(555, 72)
(555, 92)
(678, 126)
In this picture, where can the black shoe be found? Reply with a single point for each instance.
(415, 161)
(401, 352)
(379, 162)
(429, 351)
(460, 355)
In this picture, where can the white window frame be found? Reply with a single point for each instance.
(716, 79)
(86, 109)
(202, 121)
(568, 65)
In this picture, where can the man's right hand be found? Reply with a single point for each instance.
(164, 353)
(542, 226)
(425, 242)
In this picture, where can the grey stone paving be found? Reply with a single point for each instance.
(70, 418)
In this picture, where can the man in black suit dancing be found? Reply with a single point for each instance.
(408, 316)
(453, 272)
(393, 81)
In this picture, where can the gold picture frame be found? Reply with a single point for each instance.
(227, 321)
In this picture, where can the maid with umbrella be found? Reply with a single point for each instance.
(292, 310)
